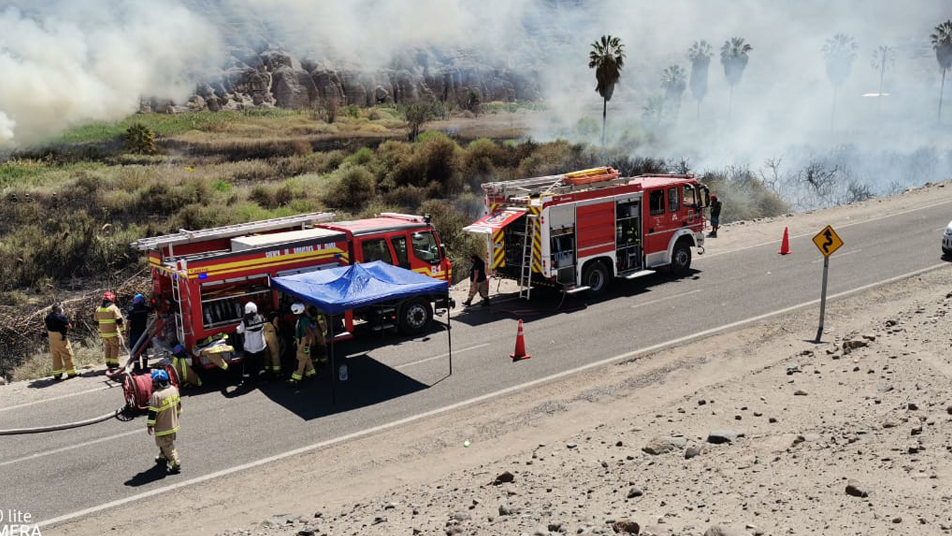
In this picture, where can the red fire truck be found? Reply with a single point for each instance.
(202, 279)
(578, 230)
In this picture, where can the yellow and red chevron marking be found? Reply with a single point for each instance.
(536, 239)
(499, 251)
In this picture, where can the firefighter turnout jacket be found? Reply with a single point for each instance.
(110, 319)
(165, 406)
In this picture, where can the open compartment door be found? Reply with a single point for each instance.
(492, 226)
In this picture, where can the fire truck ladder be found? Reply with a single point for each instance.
(180, 323)
(185, 236)
(525, 271)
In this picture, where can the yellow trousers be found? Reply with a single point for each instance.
(62, 354)
(110, 347)
(305, 365)
(167, 452)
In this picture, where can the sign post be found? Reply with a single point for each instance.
(827, 242)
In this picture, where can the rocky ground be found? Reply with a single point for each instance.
(754, 432)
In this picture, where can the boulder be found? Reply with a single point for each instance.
(664, 444)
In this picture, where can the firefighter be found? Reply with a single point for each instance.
(272, 348)
(186, 376)
(477, 281)
(715, 216)
(165, 406)
(305, 336)
(110, 320)
(319, 354)
(138, 316)
(56, 327)
(252, 327)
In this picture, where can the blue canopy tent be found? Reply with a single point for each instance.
(336, 290)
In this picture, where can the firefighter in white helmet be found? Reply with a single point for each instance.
(252, 327)
(305, 335)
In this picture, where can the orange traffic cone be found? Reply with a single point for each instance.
(520, 352)
(785, 244)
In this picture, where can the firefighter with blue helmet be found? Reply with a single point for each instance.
(186, 375)
(137, 316)
(165, 406)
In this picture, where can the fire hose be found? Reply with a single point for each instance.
(66, 426)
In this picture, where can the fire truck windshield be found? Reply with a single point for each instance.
(425, 249)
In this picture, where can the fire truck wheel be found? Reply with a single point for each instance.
(595, 276)
(681, 258)
(415, 316)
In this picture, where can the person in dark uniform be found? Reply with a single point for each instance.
(138, 316)
(477, 281)
(715, 215)
(57, 325)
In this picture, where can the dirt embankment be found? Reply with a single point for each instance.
(756, 431)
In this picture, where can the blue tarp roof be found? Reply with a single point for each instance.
(347, 287)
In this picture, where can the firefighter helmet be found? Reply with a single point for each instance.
(251, 308)
(297, 308)
(138, 298)
(160, 376)
(713, 197)
(108, 296)
(178, 349)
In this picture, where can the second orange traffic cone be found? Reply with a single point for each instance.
(785, 244)
(520, 351)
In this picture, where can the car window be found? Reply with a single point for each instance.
(690, 196)
(376, 249)
(424, 247)
(656, 202)
(674, 201)
(399, 244)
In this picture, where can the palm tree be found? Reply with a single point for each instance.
(700, 55)
(734, 59)
(607, 58)
(673, 81)
(942, 43)
(883, 55)
(839, 52)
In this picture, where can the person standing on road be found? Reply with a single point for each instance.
(138, 316)
(252, 327)
(165, 406)
(109, 319)
(305, 336)
(715, 216)
(272, 347)
(57, 325)
(477, 281)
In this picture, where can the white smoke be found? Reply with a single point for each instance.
(65, 63)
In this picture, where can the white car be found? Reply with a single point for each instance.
(947, 241)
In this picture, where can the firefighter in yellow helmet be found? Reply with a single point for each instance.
(306, 337)
(56, 327)
(110, 320)
(165, 406)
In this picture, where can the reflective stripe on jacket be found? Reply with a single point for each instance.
(107, 316)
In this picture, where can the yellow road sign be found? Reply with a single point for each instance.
(827, 241)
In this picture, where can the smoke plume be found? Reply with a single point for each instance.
(65, 63)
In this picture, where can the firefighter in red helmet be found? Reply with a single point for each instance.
(109, 319)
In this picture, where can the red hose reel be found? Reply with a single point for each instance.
(137, 388)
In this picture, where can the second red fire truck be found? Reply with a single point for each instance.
(579, 230)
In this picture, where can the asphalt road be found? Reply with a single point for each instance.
(227, 428)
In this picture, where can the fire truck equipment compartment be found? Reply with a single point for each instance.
(347, 287)
(243, 243)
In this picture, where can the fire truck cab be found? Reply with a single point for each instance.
(577, 231)
(202, 279)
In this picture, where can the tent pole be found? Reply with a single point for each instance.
(449, 331)
(333, 370)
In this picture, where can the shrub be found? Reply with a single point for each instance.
(139, 139)
(352, 187)
(478, 161)
(361, 157)
(441, 163)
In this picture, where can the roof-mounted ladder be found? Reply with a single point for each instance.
(185, 236)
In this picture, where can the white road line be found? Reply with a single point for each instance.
(663, 299)
(410, 364)
(837, 255)
(71, 447)
(457, 405)
(60, 397)
(839, 225)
